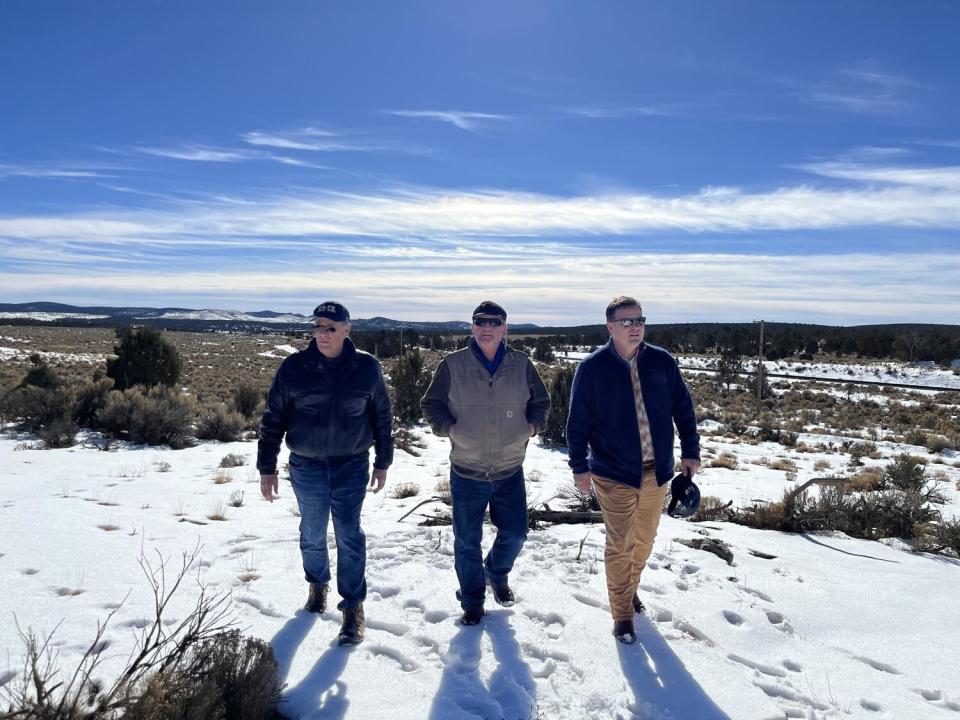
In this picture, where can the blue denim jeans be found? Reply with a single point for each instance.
(337, 488)
(508, 512)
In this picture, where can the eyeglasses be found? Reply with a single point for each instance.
(630, 322)
(487, 322)
(327, 329)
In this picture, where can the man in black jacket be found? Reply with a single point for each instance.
(331, 402)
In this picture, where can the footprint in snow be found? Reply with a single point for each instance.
(758, 593)
(938, 698)
(759, 667)
(733, 618)
(689, 569)
(588, 600)
(406, 664)
(436, 616)
(397, 629)
(553, 623)
(413, 604)
(653, 589)
(386, 591)
(877, 665)
(264, 608)
(793, 666)
(29, 571)
(870, 705)
(682, 585)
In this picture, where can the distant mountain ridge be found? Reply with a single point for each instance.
(176, 318)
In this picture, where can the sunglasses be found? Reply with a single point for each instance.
(327, 329)
(630, 322)
(487, 322)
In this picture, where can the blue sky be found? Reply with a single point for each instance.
(729, 161)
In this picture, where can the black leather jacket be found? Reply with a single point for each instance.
(326, 415)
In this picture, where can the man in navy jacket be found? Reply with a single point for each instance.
(626, 398)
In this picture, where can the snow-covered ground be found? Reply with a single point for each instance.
(827, 627)
(886, 372)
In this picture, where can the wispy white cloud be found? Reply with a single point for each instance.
(613, 112)
(861, 90)
(459, 118)
(568, 288)
(51, 172)
(938, 178)
(310, 139)
(897, 197)
(199, 153)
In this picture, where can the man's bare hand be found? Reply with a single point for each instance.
(582, 481)
(689, 466)
(378, 479)
(533, 429)
(269, 485)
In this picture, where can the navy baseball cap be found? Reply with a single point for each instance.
(331, 311)
(489, 307)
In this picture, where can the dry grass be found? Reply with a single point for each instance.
(162, 466)
(821, 465)
(236, 499)
(867, 480)
(222, 478)
(724, 460)
(404, 490)
(107, 527)
(233, 460)
(785, 464)
(219, 512)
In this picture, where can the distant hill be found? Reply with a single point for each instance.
(173, 318)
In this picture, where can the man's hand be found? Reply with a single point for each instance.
(378, 479)
(268, 487)
(451, 431)
(533, 429)
(582, 481)
(689, 466)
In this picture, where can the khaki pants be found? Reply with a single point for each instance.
(631, 518)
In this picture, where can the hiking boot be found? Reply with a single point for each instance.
(317, 600)
(471, 616)
(351, 632)
(502, 593)
(624, 632)
(638, 606)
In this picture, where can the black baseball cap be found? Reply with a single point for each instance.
(489, 307)
(331, 311)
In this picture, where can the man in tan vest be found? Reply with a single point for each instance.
(489, 400)
(625, 400)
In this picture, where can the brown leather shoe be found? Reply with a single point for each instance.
(638, 606)
(317, 599)
(351, 632)
(624, 632)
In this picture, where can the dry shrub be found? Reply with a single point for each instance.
(821, 465)
(869, 479)
(579, 501)
(915, 436)
(724, 460)
(404, 490)
(785, 464)
(236, 499)
(232, 460)
(222, 478)
(163, 466)
(937, 443)
(159, 416)
(405, 439)
(192, 669)
(712, 508)
(219, 512)
(220, 423)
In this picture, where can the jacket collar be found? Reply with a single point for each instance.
(315, 359)
(491, 366)
(613, 351)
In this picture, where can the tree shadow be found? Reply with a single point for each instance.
(660, 682)
(512, 690)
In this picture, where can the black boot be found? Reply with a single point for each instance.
(351, 632)
(638, 606)
(317, 600)
(502, 593)
(624, 632)
(471, 616)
